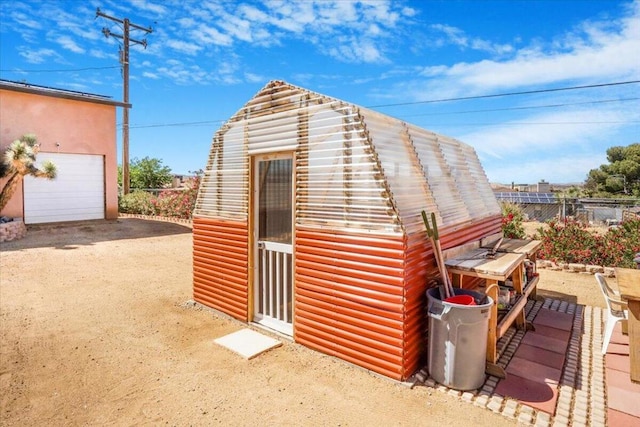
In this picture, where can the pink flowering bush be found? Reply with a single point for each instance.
(512, 218)
(171, 203)
(571, 242)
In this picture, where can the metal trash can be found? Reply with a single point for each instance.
(458, 339)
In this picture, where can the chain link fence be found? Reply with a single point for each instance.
(590, 211)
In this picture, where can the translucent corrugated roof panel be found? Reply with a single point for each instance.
(391, 140)
(340, 183)
(438, 176)
(224, 189)
(355, 169)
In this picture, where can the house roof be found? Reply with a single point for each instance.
(60, 93)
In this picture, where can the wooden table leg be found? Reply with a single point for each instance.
(634, 339)
(492, 367)
(492, 337)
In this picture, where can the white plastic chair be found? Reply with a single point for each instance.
(617, 310)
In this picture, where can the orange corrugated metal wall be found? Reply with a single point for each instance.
(349, 297)
(358, 297)
(362, 297)
(221, 265)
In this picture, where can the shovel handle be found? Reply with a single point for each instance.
(435, 226)
(426, 224)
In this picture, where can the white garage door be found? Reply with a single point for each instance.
(76, 194)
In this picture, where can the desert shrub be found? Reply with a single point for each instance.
(178, 203)
(571, 242)
(172, 203)
(620, 244)
(512, 218)
(137, 202)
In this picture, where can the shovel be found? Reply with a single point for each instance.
(432, 232)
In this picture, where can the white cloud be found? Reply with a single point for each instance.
(253, 78)
(97, 53)
(354, 49)
(594, 51)
(149, 6)
(457, 37)
(38, 56)
(209, 35)
(25, 20)
(336, 14)
(252, 13)
(238, 28)
(566, 169)
(557, 146)
(409, 11)
(184, 47)
(186, 22)
(547, 131)
(67, 43)
(150, 75)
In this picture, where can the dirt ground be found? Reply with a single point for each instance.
(96, 329)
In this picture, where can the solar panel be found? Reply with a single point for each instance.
(521, 197)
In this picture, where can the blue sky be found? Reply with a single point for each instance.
(206, 58)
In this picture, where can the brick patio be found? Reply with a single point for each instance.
(556, 375)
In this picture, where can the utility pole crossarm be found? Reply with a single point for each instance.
(108, 33)
(125, 77)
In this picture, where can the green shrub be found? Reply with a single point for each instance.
(172, 203)
(512, 218)
(571, 242)
(137, 202)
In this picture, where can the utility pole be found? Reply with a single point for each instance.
(124, 60)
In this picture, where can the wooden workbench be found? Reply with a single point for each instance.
(629, 286)
(478, 263)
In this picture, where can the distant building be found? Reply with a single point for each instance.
(543, 187)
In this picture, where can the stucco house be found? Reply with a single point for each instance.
(77, 132)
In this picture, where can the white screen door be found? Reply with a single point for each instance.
(273, 279)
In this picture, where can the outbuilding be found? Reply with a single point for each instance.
(308, 221)
(77, 132)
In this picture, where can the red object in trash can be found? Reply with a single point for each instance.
(461, 299)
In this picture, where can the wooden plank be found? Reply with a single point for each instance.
(495, 370)
(489, 241)
(629, 285)
(459, 251)
(492, 337)
(475, 263)
(634, 340)
(518, 246)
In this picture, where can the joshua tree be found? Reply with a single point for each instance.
(19, 160)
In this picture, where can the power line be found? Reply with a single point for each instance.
(17, 70)
(179, 124)
(497, 95)
(531, 107)
(207, 122)
(541, 123)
